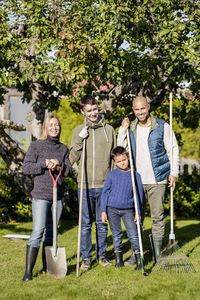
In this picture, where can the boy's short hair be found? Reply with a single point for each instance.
(87, 99)
(118, 151)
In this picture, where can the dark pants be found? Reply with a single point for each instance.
(127, 215)
(91, 204)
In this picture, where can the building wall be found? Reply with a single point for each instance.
(15, 110)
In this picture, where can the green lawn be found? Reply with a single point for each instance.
(99, 283)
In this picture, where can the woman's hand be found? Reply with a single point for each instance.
(52, 164)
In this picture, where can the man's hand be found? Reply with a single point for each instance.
(84, 132)
(52, 164)
(172, 181)
(126, 123)
(104, 218)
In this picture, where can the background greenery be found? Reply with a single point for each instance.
(15, 205)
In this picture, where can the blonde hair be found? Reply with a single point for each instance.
(43, 135)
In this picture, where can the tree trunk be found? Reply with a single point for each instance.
(13, 156)
(36, 115)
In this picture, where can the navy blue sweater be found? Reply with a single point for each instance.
(34, 164)
(118, 190)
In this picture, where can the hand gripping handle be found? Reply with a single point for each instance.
(55, 180)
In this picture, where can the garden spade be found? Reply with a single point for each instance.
(55, 256)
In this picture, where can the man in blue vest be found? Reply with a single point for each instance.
(150, 143)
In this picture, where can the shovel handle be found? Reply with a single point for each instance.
(55, 180)
(54, 212)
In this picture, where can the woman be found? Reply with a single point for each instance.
(42, 155)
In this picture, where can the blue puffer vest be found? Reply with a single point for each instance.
(159, 158)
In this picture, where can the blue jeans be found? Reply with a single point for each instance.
(91, 204)
(42, 221)
(127, 215)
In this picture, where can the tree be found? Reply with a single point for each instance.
(49, 47)
(68, 120)
(149, 47)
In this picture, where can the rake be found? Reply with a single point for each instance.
(171, 260)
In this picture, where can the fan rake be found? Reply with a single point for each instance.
(171, 259)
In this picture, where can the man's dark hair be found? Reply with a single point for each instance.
(87, 99)
(118, 151)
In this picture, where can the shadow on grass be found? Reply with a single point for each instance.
(64, 225)
(183, 235)
(15, 228)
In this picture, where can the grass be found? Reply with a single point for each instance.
(98, 283)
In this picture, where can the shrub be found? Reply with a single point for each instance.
(14, 204)
(71, 196)
(186, 195)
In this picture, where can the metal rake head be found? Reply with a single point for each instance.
(170, 249)
(174, 264)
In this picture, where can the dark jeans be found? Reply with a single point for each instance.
(127, 215)
(91, 204)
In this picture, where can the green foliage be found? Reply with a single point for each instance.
(59, 46)
(62, 45)
(14, 204)
(71, 196)
(186, 195)
(186, 125)
(68, 120)
(190, 147)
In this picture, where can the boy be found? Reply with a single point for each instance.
(117, 203)
(100, 140)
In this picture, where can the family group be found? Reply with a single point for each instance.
(107, 184)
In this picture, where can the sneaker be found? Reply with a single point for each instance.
(104, 262)
(86, 264)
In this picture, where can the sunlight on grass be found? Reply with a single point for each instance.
(98, 283)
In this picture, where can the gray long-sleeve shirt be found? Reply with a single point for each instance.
(35, 164)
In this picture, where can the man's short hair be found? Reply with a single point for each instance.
(87, 99)
(119, 150)
(139, 98)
